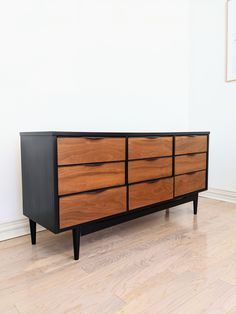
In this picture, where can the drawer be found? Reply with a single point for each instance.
(191, 182)
(190, 144)
(81, 150)
(73, 179)
(146, 147)
(141, 170)
(190, 163)
(143, 194)
(84, 207)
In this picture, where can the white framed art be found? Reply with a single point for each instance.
(230, 40)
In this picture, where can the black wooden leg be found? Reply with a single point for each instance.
(76, 242)
(33, 231)
(195, 205)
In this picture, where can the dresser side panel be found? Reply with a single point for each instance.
(39, 180)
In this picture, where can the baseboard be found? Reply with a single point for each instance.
(16, 228)
(221, 195)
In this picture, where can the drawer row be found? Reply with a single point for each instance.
(83, 150)
(79, 178)
(88, 206)
(93, 173)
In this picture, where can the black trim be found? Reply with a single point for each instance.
(39, 180)
(127, 171)
(207, 163)
(173, 165)
(56, 192)
(112, 134)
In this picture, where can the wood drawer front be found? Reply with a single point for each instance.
(73, 179)
(81, 208)
(190, 163)
(81, 150)
(190, 144)
(141, 170)
(149, 147)
(143, 194)
(188, 183)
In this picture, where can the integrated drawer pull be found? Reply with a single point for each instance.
(190, 174)
(96, 192)
(152, 159)
(153, 181)
(96, 164)
(152, 137)
(94, 138)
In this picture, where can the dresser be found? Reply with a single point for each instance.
(88, 181)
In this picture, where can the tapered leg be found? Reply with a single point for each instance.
(195, 205)
(32, 231)
(76, 242)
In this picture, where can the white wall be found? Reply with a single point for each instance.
(212, 101)
(88, 65)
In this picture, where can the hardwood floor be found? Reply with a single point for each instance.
(162, 263)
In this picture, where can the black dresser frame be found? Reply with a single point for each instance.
(40, 183)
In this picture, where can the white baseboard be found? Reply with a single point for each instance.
(16, 228)
(221, 195)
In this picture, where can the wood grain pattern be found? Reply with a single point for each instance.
(141, 170)
(190, 144)
(142, 147)
(143, 194)
(190, 163)
(85, 207)
(188, 183)
(81, 150)
(160, 263)
(73, 179)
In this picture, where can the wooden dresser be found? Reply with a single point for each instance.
(88, 181)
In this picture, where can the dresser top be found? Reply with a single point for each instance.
(110, 134)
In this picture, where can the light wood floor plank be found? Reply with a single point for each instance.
(162, 263)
